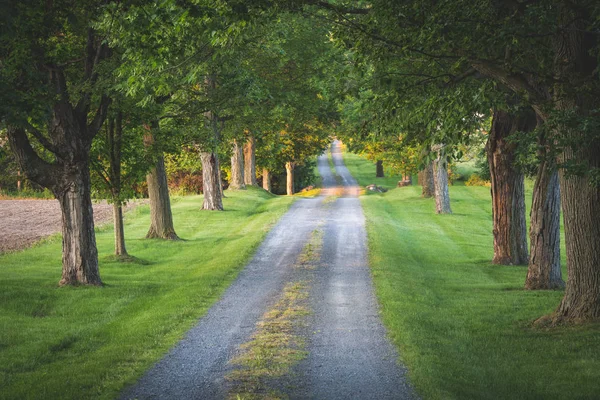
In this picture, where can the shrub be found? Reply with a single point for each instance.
(476, 180)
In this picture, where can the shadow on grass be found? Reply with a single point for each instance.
(125, 259)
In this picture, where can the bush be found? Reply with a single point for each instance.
(476, 180)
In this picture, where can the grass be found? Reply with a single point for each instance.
(464, 170)
(26, 194)
(364, 172)
(276, 347)
(463, 326)
(87, 342)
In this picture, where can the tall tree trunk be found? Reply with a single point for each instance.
(237, 167)
(508, 189)
(115, 142)
(580, 195)
(267, 180)
(219, 176)
(289, 168)
(440, 173)
(544, 270)
(211, 183)
(379, 169)
(250, 162)
(161, 218)
(427, 181)
(70, 183)
(120, 249)
(80, 255)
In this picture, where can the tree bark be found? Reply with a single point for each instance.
(440, 173)
(120, 249)
(544, 270)
(289, 168)
(237, 167)
(379, 169)
(211, 183)
(580, 195)
(427, 181)
(267, 180)
(115, 142)
(80, 256)
(508, 189)
(69, 180)
(161, 217)
(250, 162)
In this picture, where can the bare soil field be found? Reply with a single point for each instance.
(24, 222)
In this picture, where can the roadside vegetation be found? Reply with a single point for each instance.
(463, 326)
(110, 335)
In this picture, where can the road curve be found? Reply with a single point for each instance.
(349, 355)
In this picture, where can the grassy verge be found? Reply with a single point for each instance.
(464, 326)
(364, 172)
(73, 343)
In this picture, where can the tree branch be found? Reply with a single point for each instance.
(43, 140)
(35, 168)
(96, 124)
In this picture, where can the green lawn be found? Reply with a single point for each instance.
(75, 343)
(463, 326)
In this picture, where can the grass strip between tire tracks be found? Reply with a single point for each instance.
(276, 347)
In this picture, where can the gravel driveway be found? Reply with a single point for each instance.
(348, 353)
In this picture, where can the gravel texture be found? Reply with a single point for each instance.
(349, 355)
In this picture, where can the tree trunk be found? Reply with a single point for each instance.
(379, 169)
(80, 255)
(508, 189)
(440, 173)
(237, 168)
(161, 218)
(70, 183)
(267, 180)
(544, 270)
(219, 176)
(115, 143)
(119, 231)
(249, 162)
(427, 181)
(211, 183)
(289, 168)
(580, 194)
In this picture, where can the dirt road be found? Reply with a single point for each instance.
(341, 345)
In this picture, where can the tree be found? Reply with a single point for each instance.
(508, 188)
(545, 52)
(52, 80)
(440, 181)
(250, 162)
(118, 165)
(161, 217)
(237, 167)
